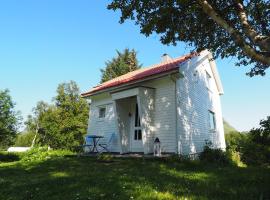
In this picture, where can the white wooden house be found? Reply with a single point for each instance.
(177, 101)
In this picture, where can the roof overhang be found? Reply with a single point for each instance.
(132, 83)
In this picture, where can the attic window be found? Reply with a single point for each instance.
(102, 112)
(208, 80)
(212, 121)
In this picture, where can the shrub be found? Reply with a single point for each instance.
(43, 153)
(255, 149)
(105, 158)
(255, 154)
(211, 155)
(234, 140)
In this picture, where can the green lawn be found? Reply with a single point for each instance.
(129, 178)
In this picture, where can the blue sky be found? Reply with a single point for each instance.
(44, 43)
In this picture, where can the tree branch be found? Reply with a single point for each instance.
(250, 31)
(247, 49)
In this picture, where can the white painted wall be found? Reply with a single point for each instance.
(105, 126)
(164, 114)
(194, 100)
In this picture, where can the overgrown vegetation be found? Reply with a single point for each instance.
(253, 148)
(211, 155)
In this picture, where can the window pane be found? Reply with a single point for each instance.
(135, 135)
(102, 112)
(139, 134)
(137, 117)
(212, 120)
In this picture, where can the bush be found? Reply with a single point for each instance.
(211, 155)
(255, 149)
(42, 154)
(234, 140)
(255, 154)
(105, 158)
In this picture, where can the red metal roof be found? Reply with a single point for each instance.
(140, 74)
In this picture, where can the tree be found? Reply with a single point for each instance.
(227, 28)
(33, 122)
(261, 135)
(9, 120)
(124, 62)
(63, 124)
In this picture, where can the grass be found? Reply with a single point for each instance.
(83, 178)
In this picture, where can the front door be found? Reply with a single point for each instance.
(136, 131)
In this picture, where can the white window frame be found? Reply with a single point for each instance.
(212, 121)
(99, 112)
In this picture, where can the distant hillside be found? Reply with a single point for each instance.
(227, 127)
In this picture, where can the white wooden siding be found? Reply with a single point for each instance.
(194, 101)
(165, 113)
(104, 126)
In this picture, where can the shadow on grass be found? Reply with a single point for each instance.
(8, 157)
(130, 178)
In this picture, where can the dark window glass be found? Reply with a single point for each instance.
(212, 120)
(102, 112)
(139, 134)
(137, 117)
(135, 135)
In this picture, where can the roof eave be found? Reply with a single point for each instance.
(151, 77)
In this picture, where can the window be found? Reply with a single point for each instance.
(102, 112)
(137, 117)
(137, 131)
(138, 135)
(208, 80)
(212, 121)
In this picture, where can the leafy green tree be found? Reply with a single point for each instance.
(33, 123)
(9, 120)
(124, 62)
(261, 135)
(228, 28)
(63, 124)
(24, 139)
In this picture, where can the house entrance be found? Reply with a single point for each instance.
(136, 144)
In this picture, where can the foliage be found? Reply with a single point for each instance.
(261, 135)
(255, 154)
(256, 149)
(39, 154)
(129, 178)
(9, 120)
(228, 28)
(211, 155)
(228, 128)
(253, 148)
(24, 139)
(105, 157)
(63, 124)
(234, 140)
(124, 62)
